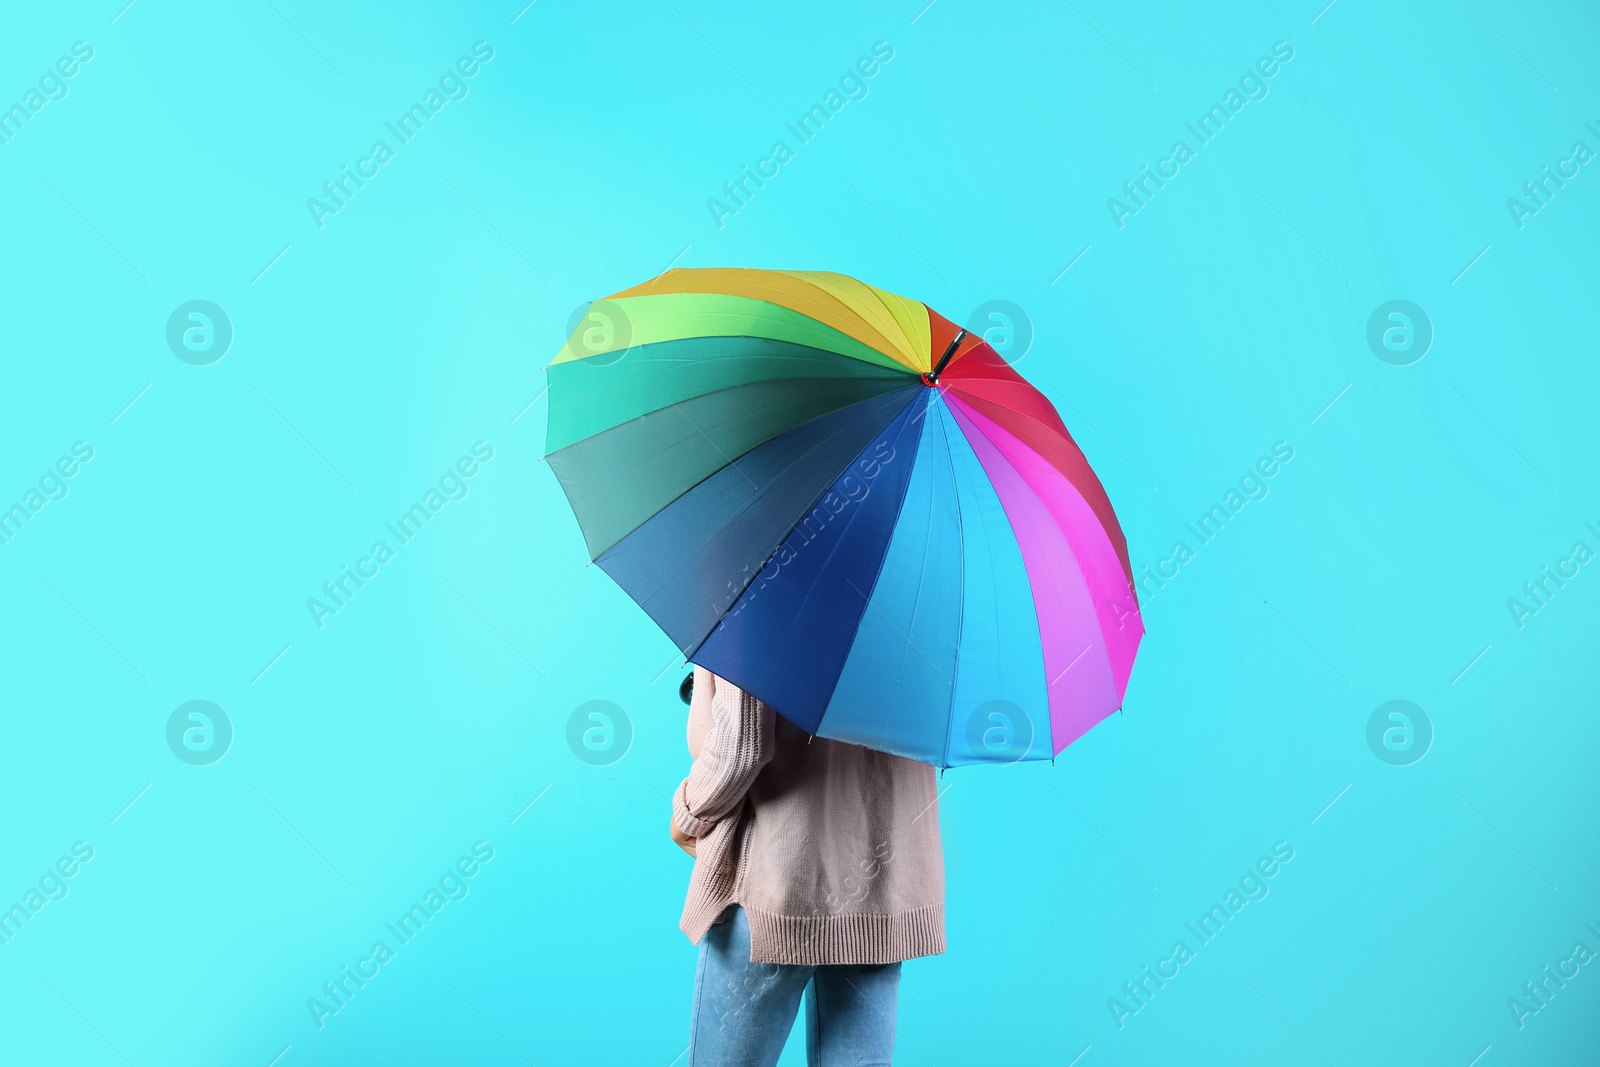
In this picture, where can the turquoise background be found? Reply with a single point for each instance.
(431, 711)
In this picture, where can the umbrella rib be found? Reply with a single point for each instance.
(573, 499)
(828, 295)
(674, 405)
(899, 631)
(994, 577)
(878, 571)
(1061, 432)
(961, 556)
(1112, 530)
(916, 603)
(901, 380)
(1028, 487)
(691, 652)
(866, 597)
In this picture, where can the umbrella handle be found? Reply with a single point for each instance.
(686, 688)
(933, 376)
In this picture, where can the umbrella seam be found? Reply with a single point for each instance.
(1072, 442)
(687, 653)
(893, 357)
(1033, 605)
(790, 533)
(1105, 646)
(888, 374)
(732, 461)
(775, 291)
(961, 555)
(857, 315)
(876, 577)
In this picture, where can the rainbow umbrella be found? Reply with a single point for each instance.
(844, 504)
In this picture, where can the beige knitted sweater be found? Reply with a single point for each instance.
(832, 849)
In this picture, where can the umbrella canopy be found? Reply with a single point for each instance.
(846, 505)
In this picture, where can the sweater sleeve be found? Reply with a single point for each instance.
(737, 746)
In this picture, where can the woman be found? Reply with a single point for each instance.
(817, 864)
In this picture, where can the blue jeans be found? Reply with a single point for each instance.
(743, 1011)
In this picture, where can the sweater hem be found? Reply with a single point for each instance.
(826, 940)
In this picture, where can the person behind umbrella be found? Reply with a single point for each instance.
(818, 868)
